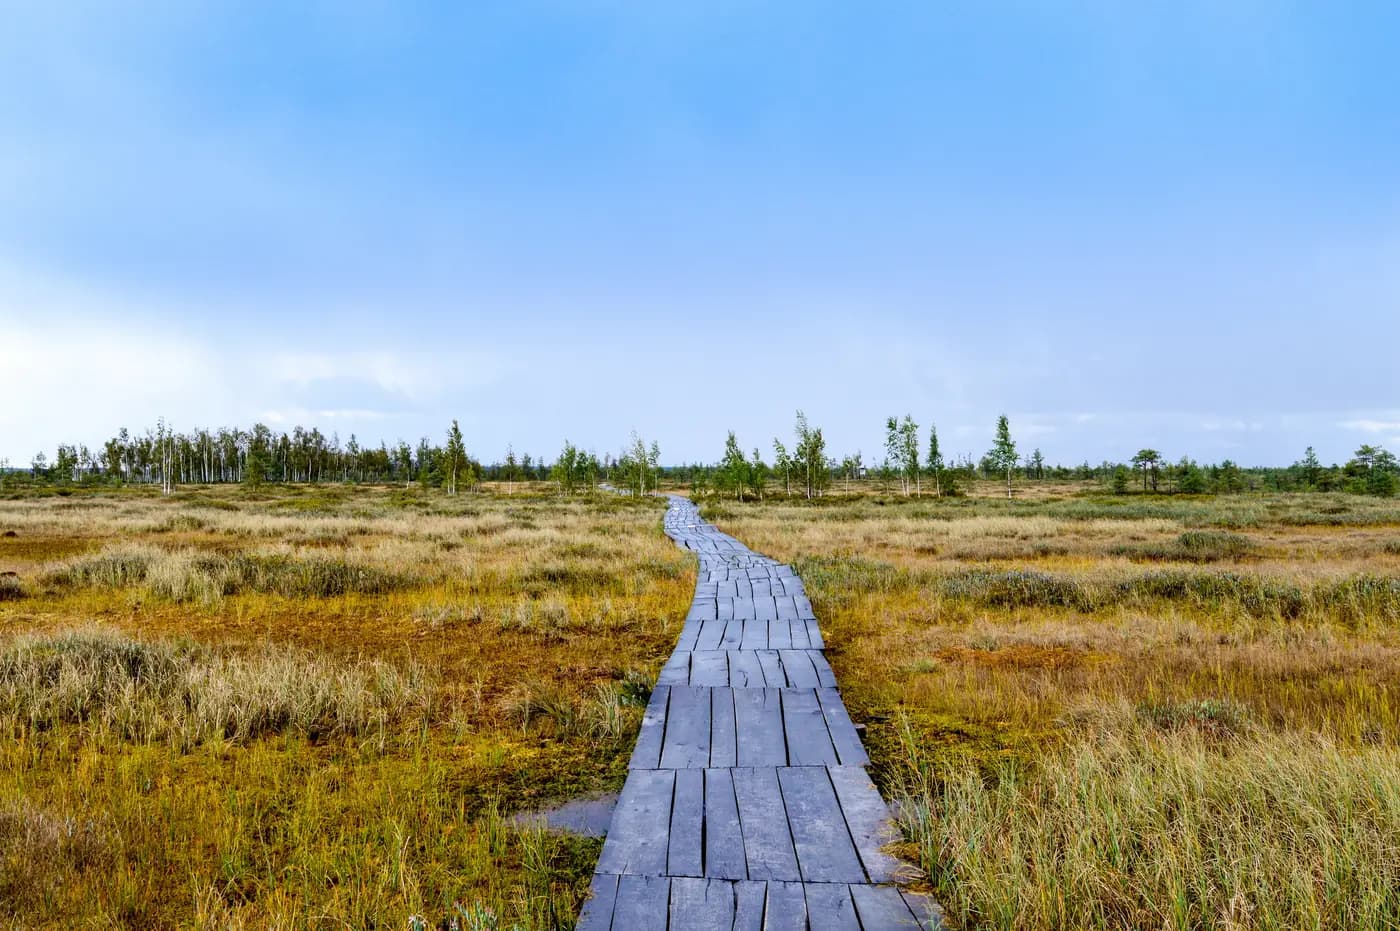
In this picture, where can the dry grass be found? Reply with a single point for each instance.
(1152, 713)
(316, 707)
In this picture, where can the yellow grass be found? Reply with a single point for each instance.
(1111, 721)
(316, 708)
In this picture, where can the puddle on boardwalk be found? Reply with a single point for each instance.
(587, 815)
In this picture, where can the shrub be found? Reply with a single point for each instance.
(10, 587)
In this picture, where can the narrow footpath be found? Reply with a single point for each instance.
(747, 804)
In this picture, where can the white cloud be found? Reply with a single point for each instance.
(1370, 426)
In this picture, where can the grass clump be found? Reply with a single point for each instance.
(10, 587)
(184, 694)
(1167, 830)
(193, 575)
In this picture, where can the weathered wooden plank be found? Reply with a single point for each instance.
(798, 628)
(702, 905)
(779, 635)
(829, 907)
(597, 912)
(786, 606)
(825, 677)
(765, 608)
(637, 839)
(647, 753)
(676, 671)
(825, 852)
(686, 743)
(768, 846)
(685, 856)
(724, 746)
(749, 899)
(814, 634)
(844, 738)
(733, 636)
(709, 668)
(710, 632)
(641, 902)
(772, 668)
(725, 610)
(868, 820)
(724, 837)
(882, 907)
(690, 632)
(745, 671)
(786, 909)
(797, 666)
(758, 718)
(804, 725)
(755, 635)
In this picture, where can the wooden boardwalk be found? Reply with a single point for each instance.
(747, 804)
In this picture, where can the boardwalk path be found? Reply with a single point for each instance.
(747, 804)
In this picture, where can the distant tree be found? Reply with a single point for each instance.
(1147, 460)
(782, 462)
(1120, 480)
(511, 466)
(733, 468)
(851, 468)
(569, 468)
(1037, 466)
(935, 461)
(894, 452)
(909, 450)
(1002, 456)
(810, 459)
(403, 462)
(1310, 468)
(454, 457)
(1190, 480)
(1228, 477)
(757, 475)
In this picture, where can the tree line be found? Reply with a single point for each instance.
(913, 463)
(910, 461)
(165, 457)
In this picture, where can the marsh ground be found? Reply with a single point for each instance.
(1122, 711)
(316, 707)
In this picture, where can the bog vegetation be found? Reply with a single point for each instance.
(1141, 712)
(250, 707)
(249, 679)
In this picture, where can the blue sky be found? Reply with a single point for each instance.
(1125, 225)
